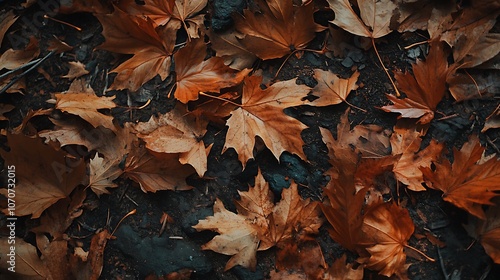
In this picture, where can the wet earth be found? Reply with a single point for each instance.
(139, 250)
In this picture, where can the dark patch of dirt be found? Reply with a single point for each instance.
(224, 176)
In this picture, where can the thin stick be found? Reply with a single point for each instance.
(128, 214)
(219, 98)
(19, 68)
(420, 252)
(63, 22)
(474, 81)
(385, 69)
(18, 77)
(416, 44)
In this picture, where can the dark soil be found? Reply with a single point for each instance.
(139, 251)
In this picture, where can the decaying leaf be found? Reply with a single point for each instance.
(277, 29)
(488, 232)
(134, 35)
(373, 22)
(340, 270)
(425, 89)
(76, 70)
(102, 173)
(177, 132)
(6, 20)
(331, 89)
(466, 183)
(28, 263)
(261, 114)
(12, 59)
(386, 229)
(406, 142)
(229, 47)
(90, 264)
(5, 108)
(195, 74)
(44, 175)
(259, 224)
(492, 121)
(81, 100)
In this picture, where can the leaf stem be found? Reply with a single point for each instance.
(420, 252)
(220, 99)
(385, 69)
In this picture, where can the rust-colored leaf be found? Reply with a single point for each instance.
(331, 89)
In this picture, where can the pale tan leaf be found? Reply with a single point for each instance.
(331, 89)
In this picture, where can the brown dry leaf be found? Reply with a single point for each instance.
(373, 22)
(54, 256)
(57, 45)
(128, 34)
(102, 173)
(31, 114)
(488, 232)
(177, 132)
(44, 175)
(12, 59)
(342, 271)
(304, 258)
(81, 100)
(27, 264)
(261, 114)
(492, 121)
(89, 265)
(195, 74)
(473, 85)
(406, 142)
(6, 20)
(466, 183)
(155, 173)
(173, 14)
(277, 29)
(425, 89)
(385, 232)
(331, 89)
(76, 70)
(5, 108)
(229, 47)
(259, 224)
(56, 220)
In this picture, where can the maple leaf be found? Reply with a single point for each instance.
(331, 89)
(156, 172)
(340, 270)
(195, 74)
(81, 100)
(466, 183)
(173, 14)
(406, 142)
(128, 34)
(259, 224)
(278, 29)
(102, 173)
(12, 59)
(386, 229)
(424, 90)
(177, 132)
(375, 18)
(261, 114)
(229, 47)
(44, 175)
(488, 232)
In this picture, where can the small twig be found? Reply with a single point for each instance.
(63, 22)
(129, 198)
(385, 69)
(176, 237)
(219, 98)
(420, 252)
(447, 117)
(474, 81)
(19, 68)
(18, 77)
(128, 214)
(416, 44)
(493, 145)
(294, 51)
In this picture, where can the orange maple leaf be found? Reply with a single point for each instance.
(386, 229)
(278, 29)
(470, 182)
(128, 34)
(261, 114)
(425, 89)
(195, 74)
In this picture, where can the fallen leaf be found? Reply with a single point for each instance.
(57, 45)
(488, 232)
(44, 175)
(27, 262)
(81, 100)
(406, 142)
(90, 266)
(373, 22)
(261, 114)
(425, 89)
(331, 89)
(259, 224)
(5, 108)
(177, 132)
(304, 258)
(229, 47)
(195, 74)
(385, 232)
(472, 85)
(466, 183)
(278, 29)
(54, 257)
(12, 59)
(102, 173)
(492, 121)
(342, 271)
(7, 19)
(128, 34)
(155, 173)
(76, 70)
